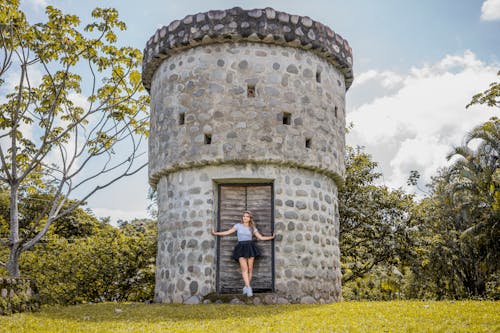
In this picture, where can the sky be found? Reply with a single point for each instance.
(417, 63)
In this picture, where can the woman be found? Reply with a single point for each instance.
(245, 251)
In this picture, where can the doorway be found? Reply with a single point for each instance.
(233, 199)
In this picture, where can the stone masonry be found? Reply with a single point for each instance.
(247, 96)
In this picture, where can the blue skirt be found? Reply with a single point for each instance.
(245, 249)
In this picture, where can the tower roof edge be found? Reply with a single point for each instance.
(239, 25)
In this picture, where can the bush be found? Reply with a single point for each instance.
(117, 264)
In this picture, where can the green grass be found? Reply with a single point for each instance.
(397, 316)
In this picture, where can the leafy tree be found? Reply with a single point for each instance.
(458, 248)
(490, 97)
(373, 219)
(50, 142)
(114, 264)
(77, 223)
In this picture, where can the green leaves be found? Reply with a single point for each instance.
(373, 219)
(490, 97)
(108, 264)
(77, 97)
(457, 228)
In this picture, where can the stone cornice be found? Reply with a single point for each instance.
(239, 25)
(155, 178)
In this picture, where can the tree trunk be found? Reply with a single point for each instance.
(14, 243)
(13, 264)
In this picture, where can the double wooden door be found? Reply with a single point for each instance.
(234, 199)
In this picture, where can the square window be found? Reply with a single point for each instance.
(182, 118)
(251, 90)
(287, 118)
(208, 139)
(308, 143)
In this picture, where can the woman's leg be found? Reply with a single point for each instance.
(250, 269)
(244, 270)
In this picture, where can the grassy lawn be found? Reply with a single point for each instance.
(397, 316)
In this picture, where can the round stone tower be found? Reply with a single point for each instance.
(247, 113)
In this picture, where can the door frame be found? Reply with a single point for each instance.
(244, 184)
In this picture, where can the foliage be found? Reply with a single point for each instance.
(113, 264)
(416, 316)
(77, 101)
(458, 248)
(77, 223)
(373, 220)
(490, 97)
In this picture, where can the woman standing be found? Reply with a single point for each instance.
(245, 251)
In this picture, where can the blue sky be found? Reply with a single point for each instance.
(416, 66)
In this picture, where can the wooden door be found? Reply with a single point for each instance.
(234, 199)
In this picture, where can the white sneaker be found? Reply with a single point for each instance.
(249, 292)
(245, 290)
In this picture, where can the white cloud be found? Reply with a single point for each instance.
(120, 214)
(490, 10)
(38, 5)
(418, 124)
(386, 79)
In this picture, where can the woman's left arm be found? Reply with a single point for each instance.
(263, 238)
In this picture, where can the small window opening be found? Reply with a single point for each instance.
(318, 76)
(208, 139)
(182, 118)
(336, 109)
(308, 142)
(287, 118)
(251, 90)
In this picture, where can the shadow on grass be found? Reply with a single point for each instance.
(158, 313)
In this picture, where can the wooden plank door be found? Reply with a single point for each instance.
(233, 200)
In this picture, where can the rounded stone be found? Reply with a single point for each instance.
(282, 300)
(292, 69)
(301, 193)
(180, 284)
(193, 288)
(300, 205)
(291, 215)
(307, 300)
(243, 64)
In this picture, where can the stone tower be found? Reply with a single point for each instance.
(247, 112)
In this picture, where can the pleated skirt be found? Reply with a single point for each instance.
(245, 249)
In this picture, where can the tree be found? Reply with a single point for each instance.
(458, 243)
(373, 219)
(112, 264)
(50, 142)
(77, 223)
(490, 97)
(473, 187)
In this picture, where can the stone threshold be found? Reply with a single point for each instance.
(256, 299)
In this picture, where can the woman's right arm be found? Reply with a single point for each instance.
(223, 233)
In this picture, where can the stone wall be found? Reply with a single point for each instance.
(247, 96)
(207, 86)
(18, 295)
(307, 266)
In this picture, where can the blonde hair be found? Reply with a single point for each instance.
(251, 223)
